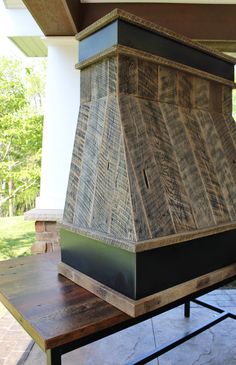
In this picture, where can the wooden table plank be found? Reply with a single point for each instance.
(51, 308)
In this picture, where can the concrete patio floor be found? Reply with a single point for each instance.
(213, 347)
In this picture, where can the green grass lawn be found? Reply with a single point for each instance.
(16, 237)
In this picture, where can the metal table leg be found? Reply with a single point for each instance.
(187, 309)
(53, 356)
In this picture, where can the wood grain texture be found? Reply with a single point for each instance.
(111, 211)
(227, 140)
(85, 85)
(231, 125)
(201, 94)
(206, 168)
(88, 173)
(185, 90)
(51, 308)
(54, 18)
(112, 74)
(55, 311)
(99, 80)
(124, 50)
(216, 97)
(76, 163)
(144, 245)
(183, 237)
(217, 155)
(157, 158)
(191, 176)
(138, 307)
(167, 91)
(151, 191)
(227, 101)
(165, 157)
(128, 75)
(147, 80)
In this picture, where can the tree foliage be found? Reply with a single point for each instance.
(20, 136)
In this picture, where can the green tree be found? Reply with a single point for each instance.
(20, 137)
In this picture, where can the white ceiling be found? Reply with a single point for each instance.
(31, 46)
(14, 4)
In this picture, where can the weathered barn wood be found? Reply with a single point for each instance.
(154, 162)
(136, 308)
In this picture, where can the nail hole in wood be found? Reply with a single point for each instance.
(108, 165)
(146, 179)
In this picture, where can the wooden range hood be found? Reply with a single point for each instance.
(150, 212)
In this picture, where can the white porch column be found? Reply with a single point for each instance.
(60, 118)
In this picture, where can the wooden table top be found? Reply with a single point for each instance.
(51, 308)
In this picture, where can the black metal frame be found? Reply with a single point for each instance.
(54, 355)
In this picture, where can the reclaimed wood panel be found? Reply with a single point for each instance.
(140, 216)
(206, 168)
(189, 168)
(227, 104)
(138, 307)
(201, 93)
(51, 308)
(185, 89)
(167, 92)
(231, 125)
(112, 75)
(147, 79)
(215, 97)
(146, 170)
(56, 311)
(85, 85)
(160, 143)
(228, 143)
(128, 74)
(106, 169)
(111, 210)
(122, 216)
(219, 160)
(99, 80)
(88, 173)
(76, 163)
(148, 151)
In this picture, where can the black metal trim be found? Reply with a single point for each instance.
(138, 275)
(161, 350)
(133, 36)
(187, 309)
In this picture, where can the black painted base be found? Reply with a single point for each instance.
(138, 275)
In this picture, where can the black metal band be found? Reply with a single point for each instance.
(127, 34)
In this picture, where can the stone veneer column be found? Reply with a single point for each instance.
(60, 117)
